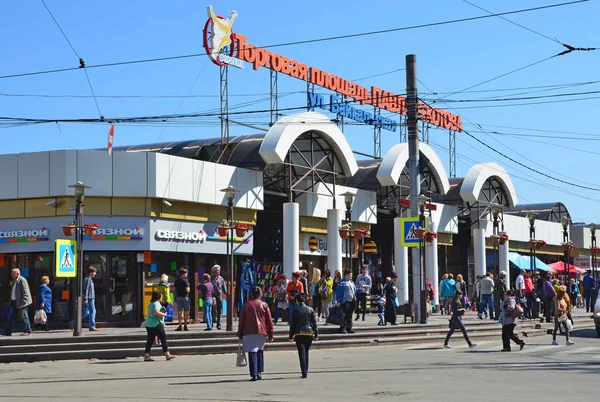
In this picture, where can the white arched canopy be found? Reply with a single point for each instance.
(395, 161)
(285, 131)
(479, 174)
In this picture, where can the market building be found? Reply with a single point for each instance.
(158, 207)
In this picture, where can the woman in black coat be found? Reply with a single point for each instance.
(303, 327)
(390, 293)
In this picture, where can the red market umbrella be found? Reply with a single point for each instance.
(559, 267)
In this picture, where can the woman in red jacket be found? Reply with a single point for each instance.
(254, 329)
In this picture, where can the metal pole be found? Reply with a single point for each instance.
(412, 114)
(229, 326)
(423, 293)
(79, 290)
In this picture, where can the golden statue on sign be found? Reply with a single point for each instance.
(221, 32)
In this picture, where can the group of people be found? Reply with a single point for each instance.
(558, 301)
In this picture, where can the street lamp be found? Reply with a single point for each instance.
(594, 256)
(79, 196)
(495, 209)
(421, 203)
(531, 216)
(230, 197)
(349, 200)
(564, 221)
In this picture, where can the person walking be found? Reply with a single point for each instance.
(155, 327)
(573, 291)
(219, 288)
(255, 327)
(562, 308)
(456, 320)
(511, 309)
(381, 312)
(326, 292)
(390, 292)
(89, 303)
(444, 307)
(548, 294)
(303, 329)
(281, 297)
(20, 300)
(182, 298)
(317, 303)
(44, 301)
(345, 295)
(529, 295)
(293, 288)
(500, 288)
(589, 285)
(363, 290)
(486, 289)
(206, 292)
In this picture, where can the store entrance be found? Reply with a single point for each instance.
(115, 284)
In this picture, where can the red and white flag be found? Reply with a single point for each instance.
(111, 138)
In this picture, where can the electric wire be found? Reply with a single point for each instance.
(514, 23)
(81, 61)
(324, 39)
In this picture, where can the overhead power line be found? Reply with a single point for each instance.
(324, 39)
(496, 99)
(81, 61)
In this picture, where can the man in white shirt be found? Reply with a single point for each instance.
(363, 290)
(520, 285)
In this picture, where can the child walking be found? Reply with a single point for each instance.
(381, 312)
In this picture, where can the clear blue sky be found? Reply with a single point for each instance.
(450, 58)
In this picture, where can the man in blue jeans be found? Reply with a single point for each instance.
(20, 299)
(89, 296)
(486, 289)
(589, 284)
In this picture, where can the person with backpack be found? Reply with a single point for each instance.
(325, 286)
(511, 310)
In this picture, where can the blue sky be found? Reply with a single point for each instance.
(450, 58)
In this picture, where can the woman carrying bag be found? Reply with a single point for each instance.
(155, 327)
(303, 328)
(255, 328)
(44, 303)
(456, 321)
(562, 307)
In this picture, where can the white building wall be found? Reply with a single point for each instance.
(517, 228)
(127, 174)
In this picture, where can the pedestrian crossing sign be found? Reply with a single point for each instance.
(408, 227)
(66, 258)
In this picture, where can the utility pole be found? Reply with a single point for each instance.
(412, 114)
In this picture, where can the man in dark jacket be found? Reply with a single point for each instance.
(303, 327)
(589, 285)
(20, 299)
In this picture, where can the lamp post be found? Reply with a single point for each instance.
(79, 188)
(531, 216)
(230, 196)
(564, 221)
(421, 202)
(495, 209)
(594, 256)
(349, 200)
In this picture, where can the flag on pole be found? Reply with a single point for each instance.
(111, 138)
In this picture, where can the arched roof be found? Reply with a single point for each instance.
(479, 174)
(286, 130)
(548, 211)
(396, 159)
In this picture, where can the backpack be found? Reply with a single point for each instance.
(323, 290)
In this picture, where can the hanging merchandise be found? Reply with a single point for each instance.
(247, 282)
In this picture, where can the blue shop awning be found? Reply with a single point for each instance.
(524, 262)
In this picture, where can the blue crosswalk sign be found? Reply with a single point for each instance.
(408, 227)
(66, 258)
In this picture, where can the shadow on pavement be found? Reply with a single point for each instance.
(224, 381)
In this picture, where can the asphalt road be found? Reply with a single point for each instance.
(423, 372)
